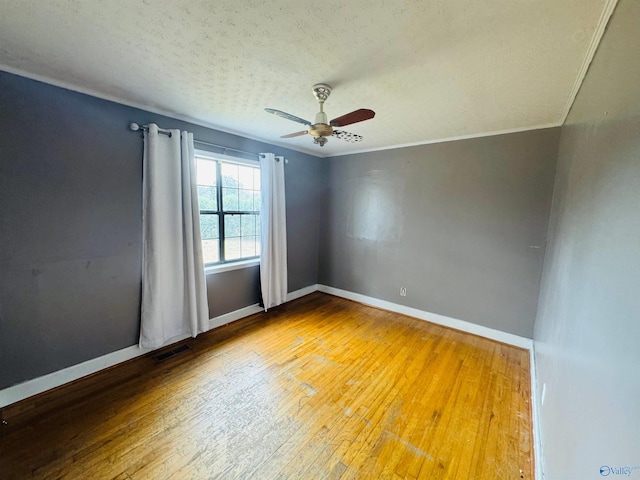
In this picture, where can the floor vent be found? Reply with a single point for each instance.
(171, 353)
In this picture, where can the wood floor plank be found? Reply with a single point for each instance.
(321, 387)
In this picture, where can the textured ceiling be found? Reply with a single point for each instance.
(431, 70)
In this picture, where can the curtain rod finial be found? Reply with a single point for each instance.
(134, 126)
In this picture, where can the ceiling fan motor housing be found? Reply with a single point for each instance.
(320, 130)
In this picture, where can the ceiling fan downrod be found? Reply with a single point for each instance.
(321, 129)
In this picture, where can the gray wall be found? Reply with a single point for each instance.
(587, 335)
(70, 227)
(452, 222)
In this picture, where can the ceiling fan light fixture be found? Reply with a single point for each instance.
(320, 140)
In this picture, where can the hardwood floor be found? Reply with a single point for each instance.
(318, 388)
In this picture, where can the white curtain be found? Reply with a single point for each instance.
(174, 299)
(273, 251)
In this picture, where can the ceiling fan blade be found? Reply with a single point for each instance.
(347, 136)
(288, 116)
(354, 117)
(297, 134)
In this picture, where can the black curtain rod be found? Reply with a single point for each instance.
(145, 128)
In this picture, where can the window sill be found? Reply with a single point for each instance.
(227, 267)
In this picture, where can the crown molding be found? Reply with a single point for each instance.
(601, 27)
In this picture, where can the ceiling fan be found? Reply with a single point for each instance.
(321, 128)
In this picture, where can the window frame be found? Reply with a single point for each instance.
(224, 265)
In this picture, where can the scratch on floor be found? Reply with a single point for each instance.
(311, 391)
(350, 412)
(410, 446)
(323, 359)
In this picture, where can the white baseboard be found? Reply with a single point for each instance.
(535, 414)
(38, 385)
(233, 316)
(463, 325)
(302, 292)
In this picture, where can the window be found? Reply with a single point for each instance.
(229, 198)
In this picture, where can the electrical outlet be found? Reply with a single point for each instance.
(403, 291)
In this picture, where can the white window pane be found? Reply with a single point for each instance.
(249, 247)
(256, 178)
(245, 202)
(248, 225)
(207, 198)
(209, 226)
(211, 251)
(245, 177)
(232, 226)
(205, 172)
(229, 172)
(230, 199)
(232, 248)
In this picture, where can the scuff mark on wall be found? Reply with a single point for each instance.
(376, 212)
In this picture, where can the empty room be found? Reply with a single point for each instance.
(337, 240)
